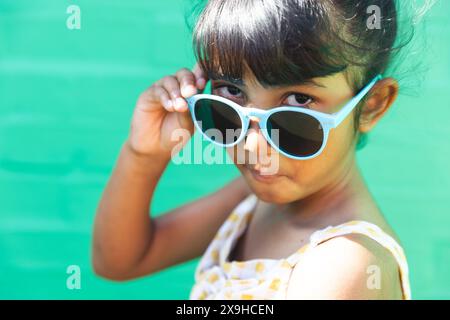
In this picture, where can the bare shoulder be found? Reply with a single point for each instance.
(352, 266)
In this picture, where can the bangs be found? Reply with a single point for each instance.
(283, 42)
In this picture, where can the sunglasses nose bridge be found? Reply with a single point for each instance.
(254, 113)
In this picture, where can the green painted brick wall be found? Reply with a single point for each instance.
(66, 98)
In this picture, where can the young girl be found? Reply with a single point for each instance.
(312, 229)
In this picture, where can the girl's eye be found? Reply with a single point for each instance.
(298, 99)
(228, 91)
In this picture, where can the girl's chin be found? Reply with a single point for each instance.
(268, 190)
(270, 196)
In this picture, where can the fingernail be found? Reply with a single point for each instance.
(189, 90)
(168, 103)
(179, 103)
(201, 83)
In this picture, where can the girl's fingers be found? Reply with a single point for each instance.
(165, 99)
(171, 84)
(200, 77)
(187, 82)
(171, 90)
(156, 93)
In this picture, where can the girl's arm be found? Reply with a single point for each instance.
(129, 243)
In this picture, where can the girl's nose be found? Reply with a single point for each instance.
(253, 137)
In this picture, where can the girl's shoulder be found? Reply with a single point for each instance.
(354, 260)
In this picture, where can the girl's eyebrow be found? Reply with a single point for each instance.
(312, 83)
(307, 82)
(240, 82)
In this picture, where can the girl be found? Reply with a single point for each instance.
(312, 229)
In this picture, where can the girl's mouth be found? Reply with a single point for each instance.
(262, 176)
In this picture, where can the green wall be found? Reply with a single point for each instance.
(66, 97)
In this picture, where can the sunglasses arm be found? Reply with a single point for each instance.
(345, 111)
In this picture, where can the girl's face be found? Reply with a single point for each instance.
(293, 179)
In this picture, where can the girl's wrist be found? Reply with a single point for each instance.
(144, 162)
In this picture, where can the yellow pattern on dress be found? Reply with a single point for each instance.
(218, 278)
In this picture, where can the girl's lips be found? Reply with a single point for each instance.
(259, 176)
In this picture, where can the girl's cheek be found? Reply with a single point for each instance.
(338, 147)
(340, 140)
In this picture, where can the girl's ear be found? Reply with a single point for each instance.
(380, 99)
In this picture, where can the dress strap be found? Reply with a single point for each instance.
(218, 249)
(246, 205)
(235, 225)
(366, 228)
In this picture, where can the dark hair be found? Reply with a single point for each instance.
(287, 41)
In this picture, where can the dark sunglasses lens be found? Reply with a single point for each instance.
(299, 134)
(218, 121)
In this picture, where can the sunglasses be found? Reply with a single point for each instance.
(297, 133)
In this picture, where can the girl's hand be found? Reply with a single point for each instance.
(162, 109)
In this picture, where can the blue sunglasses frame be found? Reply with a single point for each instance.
(327, 121)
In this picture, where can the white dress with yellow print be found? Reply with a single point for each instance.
(218, 278)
